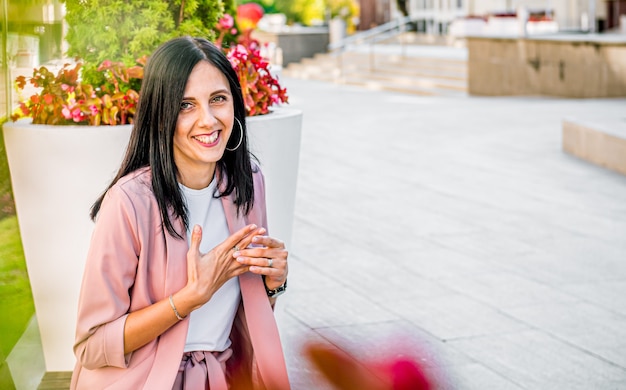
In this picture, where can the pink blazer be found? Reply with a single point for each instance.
(133, 263)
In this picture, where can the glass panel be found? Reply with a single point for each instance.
(34, 38)
(5, 96)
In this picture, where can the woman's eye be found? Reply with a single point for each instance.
(218, 99)
(186, 105)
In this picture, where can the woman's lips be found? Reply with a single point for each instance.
(207, 139)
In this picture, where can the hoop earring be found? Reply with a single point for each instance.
(240, 136)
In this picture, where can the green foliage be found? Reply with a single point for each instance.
(6, 381)
(307, 12)
(16, 302)
(120, 30)
(301, 11)
(269, 6)
(344, 9)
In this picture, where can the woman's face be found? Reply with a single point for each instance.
(204, 124)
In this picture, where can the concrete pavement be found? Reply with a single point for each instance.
(459, 227)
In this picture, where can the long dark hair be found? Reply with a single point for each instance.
(151, 140)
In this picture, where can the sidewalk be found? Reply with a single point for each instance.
(459, 225)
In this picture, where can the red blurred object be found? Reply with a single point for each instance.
(248, 15)
(345, 372)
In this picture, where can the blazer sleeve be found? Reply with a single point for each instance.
(258, 213)
(110, 271)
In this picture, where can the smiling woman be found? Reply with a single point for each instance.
(180, 279)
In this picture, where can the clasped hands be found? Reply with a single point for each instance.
(247, 250)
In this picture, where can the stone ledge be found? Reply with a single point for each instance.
(56, 380)
(601, 142)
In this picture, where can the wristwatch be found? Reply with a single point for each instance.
(277, 291)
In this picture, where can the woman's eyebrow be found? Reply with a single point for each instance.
(221, 91)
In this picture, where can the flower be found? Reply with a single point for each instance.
(226, 22)
(106, 95)
(248, 15)
(260, 89)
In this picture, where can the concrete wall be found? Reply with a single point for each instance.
(576, 66)
(297, 43)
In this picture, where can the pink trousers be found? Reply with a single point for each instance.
(202, 370)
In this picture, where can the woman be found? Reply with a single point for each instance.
(180, 278)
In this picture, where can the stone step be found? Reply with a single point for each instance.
(410, 71)
(413, 69)
(422, 75)
(55, 380)
(424, 82)
(601, 141)
(416, 75)
(365, 59)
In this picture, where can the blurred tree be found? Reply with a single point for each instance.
(347, 10)
(124, 31)
(306, 12)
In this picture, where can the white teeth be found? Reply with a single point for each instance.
(207, 139)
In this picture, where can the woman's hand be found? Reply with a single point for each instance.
(206, 273)
(269, 259)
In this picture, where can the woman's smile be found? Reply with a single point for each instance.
(208, 140)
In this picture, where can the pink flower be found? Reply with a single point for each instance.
(66, 112)
(226, 22)
(77, 115)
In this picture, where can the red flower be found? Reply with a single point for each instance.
(260, 89)
(64, 99)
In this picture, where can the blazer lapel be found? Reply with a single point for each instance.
(260, 319)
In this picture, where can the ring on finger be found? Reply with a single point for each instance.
(270, 262)
(236, 248)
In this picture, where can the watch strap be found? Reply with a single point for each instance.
(277, 291)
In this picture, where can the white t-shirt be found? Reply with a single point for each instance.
(210, 325)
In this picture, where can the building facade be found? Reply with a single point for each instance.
(435, 16)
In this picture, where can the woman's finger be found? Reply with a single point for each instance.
(276, 273)
(247, 240)
(261, 262)
(237, 237)
(268, 241)
(196, 238)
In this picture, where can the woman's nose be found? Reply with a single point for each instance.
(207, 119)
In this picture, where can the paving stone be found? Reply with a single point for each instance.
(586, 326)
(436, 262)
(389, 339)
(341, 306)
(532, 359)
(475, 376)
(607, 294)
(512, 290)
(553, 269)
(294, 336)
(456, 316)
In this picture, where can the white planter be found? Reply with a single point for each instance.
(57, 173)
(275, 141)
